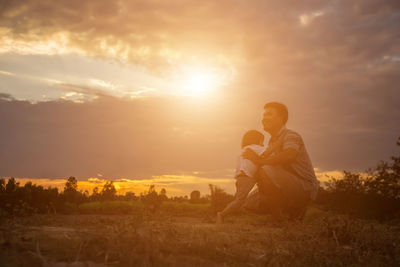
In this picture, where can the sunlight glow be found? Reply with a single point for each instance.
(199, 81)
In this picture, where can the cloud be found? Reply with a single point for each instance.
(96, 180)
(73, 89)
(6, 97)
(342, 46)
(62, 74)
(6, 73)
(148, 33)
(157, 34)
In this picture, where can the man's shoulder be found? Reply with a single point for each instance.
(291, 133)
(292, 137)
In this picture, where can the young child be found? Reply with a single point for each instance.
(245, 171)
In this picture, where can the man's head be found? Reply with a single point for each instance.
(252, 137)
(275, 116)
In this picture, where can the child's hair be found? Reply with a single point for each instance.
(252, 137)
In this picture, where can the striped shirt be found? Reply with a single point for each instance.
(301, 166)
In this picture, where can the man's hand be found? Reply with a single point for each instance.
(272, 148)
(251, 155)
(287, 156)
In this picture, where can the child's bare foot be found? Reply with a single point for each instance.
(220, 218)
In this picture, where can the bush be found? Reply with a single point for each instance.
(374, 195)
(152, 200)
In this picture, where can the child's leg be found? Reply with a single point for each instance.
(244, 184)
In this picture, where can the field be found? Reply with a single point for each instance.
(183, 234)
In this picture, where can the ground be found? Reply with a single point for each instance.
(159, 239)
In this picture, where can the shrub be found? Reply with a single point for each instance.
(108, 192)
(152, 200)
(374, 195)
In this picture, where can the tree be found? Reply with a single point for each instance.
(108, 192)
(11, 185)
(151, 199)
(71, 193)
(2, 192)
(130, 196)
(385, 179)
(163, 194)
(23, 200)
(2, 186)
(351, 183)
(11, 191)
(195, 196)
(71, 184)
(95, 196)
(8, 195)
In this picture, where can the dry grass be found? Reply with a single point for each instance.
(144, 239)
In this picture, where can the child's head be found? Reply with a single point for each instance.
(252, 137)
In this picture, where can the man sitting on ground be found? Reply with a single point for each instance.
(286, 180)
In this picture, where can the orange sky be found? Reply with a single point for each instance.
(176, 185)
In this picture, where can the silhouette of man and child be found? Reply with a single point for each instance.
(282, 171)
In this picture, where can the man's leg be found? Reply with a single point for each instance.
(267, 198)
(296, 211)
(271, 198)
(252, 202)
(295, 198)
(244, 185)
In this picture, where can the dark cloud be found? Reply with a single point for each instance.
(85, 90)
(258, 36)
(4, 96)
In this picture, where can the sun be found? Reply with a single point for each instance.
(199, 82)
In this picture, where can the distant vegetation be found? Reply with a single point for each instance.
(17, 200)
(375, 194)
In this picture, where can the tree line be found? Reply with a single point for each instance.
(32, 198)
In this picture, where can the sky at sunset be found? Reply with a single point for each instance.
(161, 92)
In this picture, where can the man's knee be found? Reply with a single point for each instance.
(264, 180)
(270, 171)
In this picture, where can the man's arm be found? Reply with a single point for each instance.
(287, 156)
(272, 149)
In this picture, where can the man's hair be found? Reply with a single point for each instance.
(252, 137)
(280, 108)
